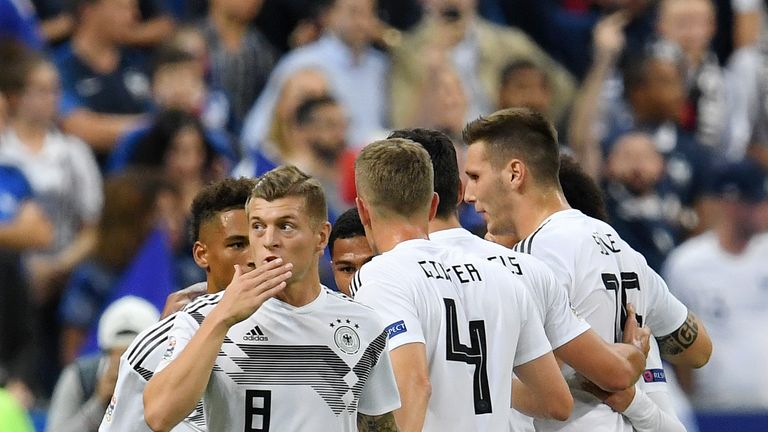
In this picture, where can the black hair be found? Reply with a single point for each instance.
(307, 108)
(517, 65)
(580, 190)
(152, 149)
(348, 225)
(444, 164)
(221, 196)
(167, 55)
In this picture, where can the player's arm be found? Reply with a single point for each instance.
(647, 412)
(540, 390)
(689, 345)
(379, 423)
(409, 362)
(173, 392)
(612, 367)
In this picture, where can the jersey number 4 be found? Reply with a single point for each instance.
(628, 281)
(475, 354)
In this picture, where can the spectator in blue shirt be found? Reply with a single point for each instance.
(105, 87)
(19, 22)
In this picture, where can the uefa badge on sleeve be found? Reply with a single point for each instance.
(169, 349)
(110, 409)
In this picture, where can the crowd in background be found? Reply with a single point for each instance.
(115, 113)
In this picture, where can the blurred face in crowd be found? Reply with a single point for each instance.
(487, 190)
(179, 86)
(688, 23)
(191, 40)
(348, 256)
(661, 96)
(185, 158)
(326, 132)
(283, 229)
(223, 243)
(301, 85)
(526, 87)
(451, 102)
(39, 100)
(634, 162)
(237, 10)
(112, 17)
(747, 217)
(354, 21)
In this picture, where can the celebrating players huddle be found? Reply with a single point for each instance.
(437, 329)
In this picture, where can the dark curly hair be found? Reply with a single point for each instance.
(221, 196)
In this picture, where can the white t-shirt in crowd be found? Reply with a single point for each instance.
(730, 294)
(474, 318)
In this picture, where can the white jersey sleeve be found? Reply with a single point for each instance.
(125, 412)
(532, 342)
(184, 327)
(396, 305)
(380, 394)
(665, 313)
(561, 324)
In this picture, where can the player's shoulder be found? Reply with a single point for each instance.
(201, 306)
(342, 306)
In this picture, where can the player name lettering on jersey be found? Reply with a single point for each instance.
(465, 273)
(606, 243)
(509, 262)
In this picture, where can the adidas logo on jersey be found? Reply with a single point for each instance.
(255, 335)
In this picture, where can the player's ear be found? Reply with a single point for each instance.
(200, 255)
(460, 195)
(433, 205)
(323, 235)
(514, 173)
(362, 208)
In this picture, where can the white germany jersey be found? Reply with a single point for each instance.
(561, 324)
(729, 292)
(125, 412)
(285, 368)
(601, 274)
(475, 319)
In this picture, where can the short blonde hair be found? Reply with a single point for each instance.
(289, 181)
(395, 176)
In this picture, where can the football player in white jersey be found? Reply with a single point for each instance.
(613, 367)
(349, 248)
(458, 324)
(220, 235)
(512, 164)
(276, 350)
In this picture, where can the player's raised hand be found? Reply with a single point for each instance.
(248, 291)
(634, 334)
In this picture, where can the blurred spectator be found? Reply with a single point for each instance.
(154, 24)
(240, 57)
(105, 86)
(56, 20)
(321, 127)
(178, 85)
(266, 135)
(444, 104)
(289, 24)
(18, 22)
(477, 49)
(691, 25)
(356, 71)
(525, 84)
(13, 416)
(23, 227)
(60, 168)
(135, 204)
(84, 390)
(721, 275)
(642, 208)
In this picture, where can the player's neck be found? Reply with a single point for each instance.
(302, 292)
(388, 233)
(537, 208)
(441, 224)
